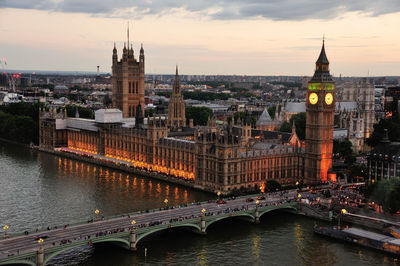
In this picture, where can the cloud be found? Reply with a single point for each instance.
(291, 10)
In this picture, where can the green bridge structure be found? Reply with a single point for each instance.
(39, 255)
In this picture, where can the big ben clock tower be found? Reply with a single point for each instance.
(320, 109)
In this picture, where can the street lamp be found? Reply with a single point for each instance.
(219, 194)
(97, 213)
(40, 241)
(133, 224)
(257, 202)
(5, 228)
(166, 202)
(203, 211)
(342, 211)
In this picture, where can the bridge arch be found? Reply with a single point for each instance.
(142, 236)
(276, 209)
(94, 241)
(245, 215)
(19, 262)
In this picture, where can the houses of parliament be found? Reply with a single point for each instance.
(215, 157)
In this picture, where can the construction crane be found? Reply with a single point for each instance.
(10, 77)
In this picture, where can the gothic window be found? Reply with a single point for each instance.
(137, 86)
(130, 89)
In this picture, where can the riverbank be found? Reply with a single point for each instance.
(18, 143)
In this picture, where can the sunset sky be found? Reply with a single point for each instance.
(250, 37)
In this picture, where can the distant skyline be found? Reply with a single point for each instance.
(223, 37)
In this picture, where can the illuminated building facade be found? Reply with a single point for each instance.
(320, 108)
(214, 157)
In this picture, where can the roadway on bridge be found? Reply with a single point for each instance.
(27, 243)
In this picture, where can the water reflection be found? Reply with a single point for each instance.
(60, 190)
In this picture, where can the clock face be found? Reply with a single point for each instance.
(329, 98)
(313, 98)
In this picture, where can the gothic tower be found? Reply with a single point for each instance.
(176, 106)
(128, 81)
(320, 107)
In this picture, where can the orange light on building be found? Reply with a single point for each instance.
(332, 177)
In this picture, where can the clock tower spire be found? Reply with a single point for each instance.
(320, 107)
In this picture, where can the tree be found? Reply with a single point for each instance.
(385, 193)
(343, 150)
(272, 185)
(20, 122)
(300, 123)
(83, 112)
(271, 111)
(149, 112)
(199, 115)
(392, 124)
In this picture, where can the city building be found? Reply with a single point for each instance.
(215, 157)
(356, 112)
(384, 160)
(320, 107)
(128, 81)
(176, 107)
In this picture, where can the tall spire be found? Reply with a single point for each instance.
(322, 59)
(321, 73)
(127, 32)
(176, 87)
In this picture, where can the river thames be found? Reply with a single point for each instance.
(39, 190)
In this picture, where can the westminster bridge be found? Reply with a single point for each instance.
(128, 230)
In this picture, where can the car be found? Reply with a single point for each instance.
(40, 237)
(221, 201)
(261, 197)
(249, 200)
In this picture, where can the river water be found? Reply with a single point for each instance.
(39, 190)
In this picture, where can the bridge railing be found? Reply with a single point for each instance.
(44, 229)
(28, 256)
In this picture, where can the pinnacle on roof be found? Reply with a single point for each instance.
(265, 118)
(176, 87)
(322, 59)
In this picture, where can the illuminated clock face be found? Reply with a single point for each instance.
(329, 98)
(313, 98)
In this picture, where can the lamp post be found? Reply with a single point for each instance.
(132, 235)
(97, 213)
(133, 224)
(166, 203)
(203, 221)
(40, 241)
(256, 213)
(218, 194)
(342, 211)
(40, 253)
(5, 228)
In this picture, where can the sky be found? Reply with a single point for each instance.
(247, 37)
